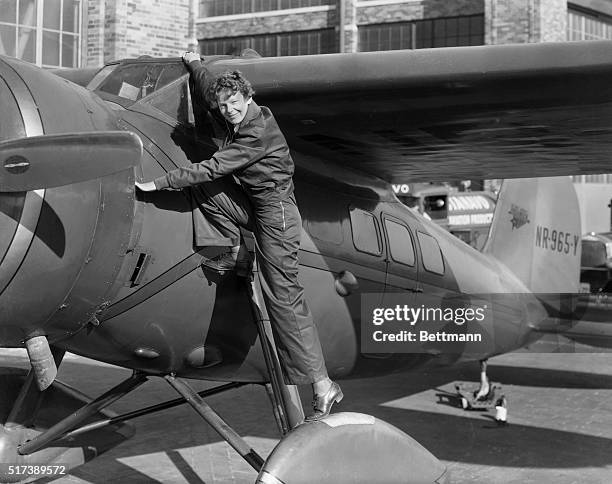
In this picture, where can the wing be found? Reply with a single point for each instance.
(453, 113)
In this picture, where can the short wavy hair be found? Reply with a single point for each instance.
(232, 81)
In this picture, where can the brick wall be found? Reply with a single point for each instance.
(553, 20)
(355, 13)
(129, 28)
(253, 25)
(157, 27)
(521, 21)
(94, 38)
(349, 40)
(417, 10)
(115, 33)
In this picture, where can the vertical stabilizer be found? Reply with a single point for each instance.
(536, 233)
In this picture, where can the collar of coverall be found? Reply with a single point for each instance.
(252, 112)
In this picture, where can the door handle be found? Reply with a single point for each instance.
(416, 289)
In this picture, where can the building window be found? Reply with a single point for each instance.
(607, 178)
(215, 8)
(420, 34)
(45, 33)
(365, 232)
(322, 41)
(583, 25)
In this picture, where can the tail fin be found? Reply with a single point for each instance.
(536, 233)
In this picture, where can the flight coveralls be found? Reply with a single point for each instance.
(258, 156)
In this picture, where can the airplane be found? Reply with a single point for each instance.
(90, 266)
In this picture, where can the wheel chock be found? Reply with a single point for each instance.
(351, 448)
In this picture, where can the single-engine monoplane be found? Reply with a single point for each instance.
(88, 265)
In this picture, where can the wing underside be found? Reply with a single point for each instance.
(447, 114)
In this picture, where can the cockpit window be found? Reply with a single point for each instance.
(135, 81)
(173, 101)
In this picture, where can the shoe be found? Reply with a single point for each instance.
(322, 404)
(225, 262)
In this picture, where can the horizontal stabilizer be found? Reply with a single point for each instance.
(55, 160)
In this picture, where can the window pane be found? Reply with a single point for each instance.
(7, 40)
(50, 45)
(365, 235)
(205, 8)
(430, 250)
(70, 51)
(8, 11)
(173, 101)
(170, 73)
(294, 43)
(451, 27)
(26, 44)
(284, 45)
(400, 243)
(70, 22)
(27, 12)
(211, 8)
(51, 14)
(582, 26)
(439, 33)
(132, 81)
(477, 25)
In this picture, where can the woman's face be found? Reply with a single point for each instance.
(233, 105)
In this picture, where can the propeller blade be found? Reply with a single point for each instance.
(55, 160)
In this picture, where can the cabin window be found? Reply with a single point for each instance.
(400, 243)
(432, 255)
(135, 81)
(366, 236)
(173, 100)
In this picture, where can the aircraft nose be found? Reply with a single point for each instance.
(11, 204)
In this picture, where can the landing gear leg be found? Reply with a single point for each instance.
(30, 398)
(25, 433)
(485, 387)
(216, 422)
(82, 414)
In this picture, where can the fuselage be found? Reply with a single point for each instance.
(114, 276)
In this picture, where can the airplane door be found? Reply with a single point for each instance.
(401, 282)
(402, 266)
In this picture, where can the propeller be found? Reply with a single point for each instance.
(55, 160)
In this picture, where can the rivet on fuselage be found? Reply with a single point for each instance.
(146, 353)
